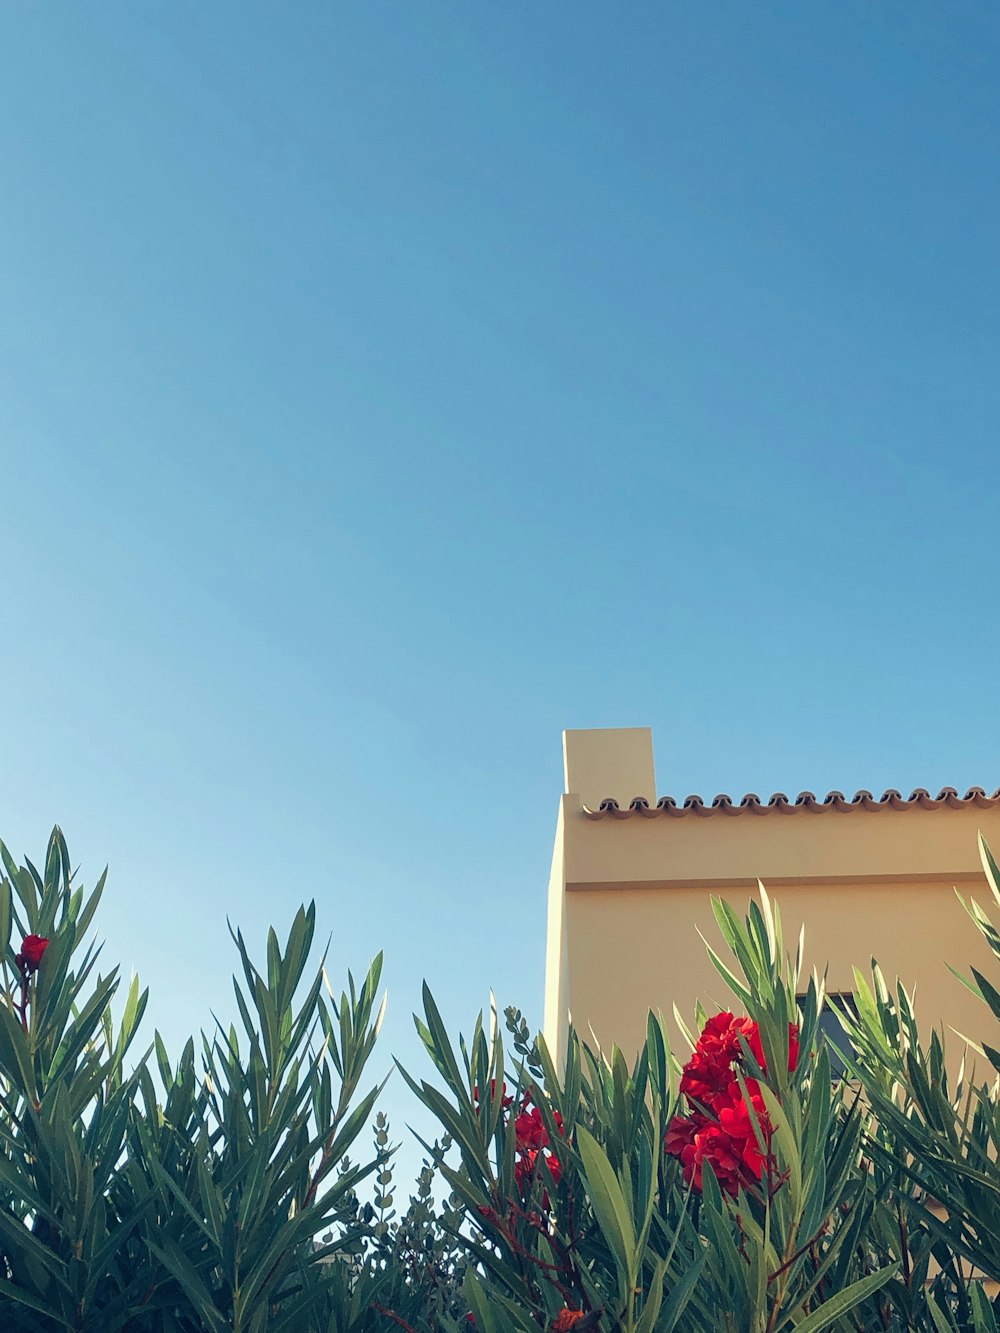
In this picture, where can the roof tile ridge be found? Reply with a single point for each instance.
(891, 799)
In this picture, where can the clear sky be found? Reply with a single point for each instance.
(385, 387)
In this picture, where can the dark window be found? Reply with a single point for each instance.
(830, 1027)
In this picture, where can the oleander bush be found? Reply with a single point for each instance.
(736, 1186)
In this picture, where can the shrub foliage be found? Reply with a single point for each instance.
(737, 1186)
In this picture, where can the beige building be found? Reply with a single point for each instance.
(632, 878)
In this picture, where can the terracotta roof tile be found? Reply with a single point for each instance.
(921, 799)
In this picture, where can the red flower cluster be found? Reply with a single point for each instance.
(532, 1145)
(505, 1101)
(720, 1129)
(532, 1139)
(32, 948)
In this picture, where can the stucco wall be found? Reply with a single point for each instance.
(631, 950)
(630, 889)
(740, 849)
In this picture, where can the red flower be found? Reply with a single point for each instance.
(32, 948)
(725, 1155)
(728, 1144)
(681, 1132)
(532, 1139)
(527, 1165)
(719, 1038)
(757, 1048)
(741, 1122)
(565, 1320)
(530, 1130)
(707, 1074)
(505, 1101)
(728, 1126)
(529, 1127)
(703, 1142)
(524, 1170)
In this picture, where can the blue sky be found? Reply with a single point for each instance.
(386, 387)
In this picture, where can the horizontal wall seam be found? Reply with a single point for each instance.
(946, 878)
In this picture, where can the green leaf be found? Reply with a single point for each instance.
(6, 918)
(179, 1266)
(17, 1293)
(784, 1139)
(680, 1294)
(942, 1324)
(90, 907)
(728, 975)
(846, 1299)
(988, 992)
(654, 1299)
(15, 1056)
(608, 1203)
(985, 1318)
(439, 1046)
(990, 866)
